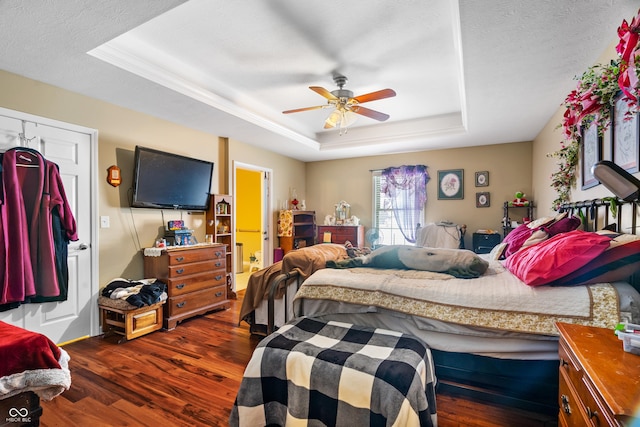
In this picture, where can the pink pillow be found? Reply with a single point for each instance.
(552, 259)
(516, 238)
(618, 262)
(524, 233)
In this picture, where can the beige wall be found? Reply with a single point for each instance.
(119, 131)
(548, 141)
(509, 167)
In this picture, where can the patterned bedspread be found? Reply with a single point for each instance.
(312, 373)
(497, 300)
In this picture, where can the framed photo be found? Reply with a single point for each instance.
(625, 131)
(591, 152)
(482, 179)
(451, 184)
(483, 200)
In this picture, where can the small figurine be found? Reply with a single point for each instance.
(519, 200)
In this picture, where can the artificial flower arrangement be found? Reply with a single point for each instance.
(592, 101)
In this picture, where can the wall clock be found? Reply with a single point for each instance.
(451, 184)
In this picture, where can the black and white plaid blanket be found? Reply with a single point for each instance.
(315, 373)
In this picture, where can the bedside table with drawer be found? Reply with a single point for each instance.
(599, 381)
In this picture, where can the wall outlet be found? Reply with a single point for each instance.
(104, 222)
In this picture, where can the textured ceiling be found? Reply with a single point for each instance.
(465, 72)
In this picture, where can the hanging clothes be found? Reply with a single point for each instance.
(36, 224)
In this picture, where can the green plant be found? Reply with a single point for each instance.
(592, 101)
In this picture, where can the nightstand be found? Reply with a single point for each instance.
(484, 242)
(599, 381)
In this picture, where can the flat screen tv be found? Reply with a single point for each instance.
(169, 181)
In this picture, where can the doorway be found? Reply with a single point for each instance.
(254, 225)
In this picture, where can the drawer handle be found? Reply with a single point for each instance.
(565, 404)
(591, 413)
(218, 254)
(219, 276)
(181, 286)
(219, 294)
(564, 362)
(181, 304)
(180, 258)
(218, 264)
(180, 271)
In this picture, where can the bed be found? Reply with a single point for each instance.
(485, 344)
(32, 368)
(267, 301)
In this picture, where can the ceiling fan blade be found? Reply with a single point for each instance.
(297, 110)
(369, 113)
(322, 91)
(380, 94)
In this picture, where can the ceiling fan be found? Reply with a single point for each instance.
(345, 104)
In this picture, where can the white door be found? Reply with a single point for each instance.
(72, 149)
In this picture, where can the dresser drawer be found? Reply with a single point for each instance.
(195, 255)
(196, 267)
(194, 301)
(182, 285)
(571, 413)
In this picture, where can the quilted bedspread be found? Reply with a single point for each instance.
(312, 373)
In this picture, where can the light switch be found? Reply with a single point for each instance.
(104, 222)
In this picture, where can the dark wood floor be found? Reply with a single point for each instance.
(189, 377)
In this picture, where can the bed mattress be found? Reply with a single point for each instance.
(519, 327)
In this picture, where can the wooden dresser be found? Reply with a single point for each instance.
(342, 233)
(196, 279)
(599, 381)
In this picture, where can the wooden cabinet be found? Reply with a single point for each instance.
(515, 213)
(195, 278)
(342, 233)
(221, 226)
(300, 232)
(599, 381)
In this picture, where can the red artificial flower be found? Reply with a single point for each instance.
(627, 49)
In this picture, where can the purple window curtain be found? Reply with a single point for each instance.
(406, 186)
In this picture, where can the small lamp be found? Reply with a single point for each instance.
(617, 180)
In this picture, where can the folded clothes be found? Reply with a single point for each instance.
(136, 293)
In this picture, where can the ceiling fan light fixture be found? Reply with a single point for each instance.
(341, 118)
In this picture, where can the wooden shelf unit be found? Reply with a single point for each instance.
(303, 230)
(220, 224)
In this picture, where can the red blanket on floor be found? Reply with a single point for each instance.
(22, 350)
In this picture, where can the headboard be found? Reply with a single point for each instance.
(597, 214)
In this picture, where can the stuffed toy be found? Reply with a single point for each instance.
(519, 200)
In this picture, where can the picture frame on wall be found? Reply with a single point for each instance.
(482, 179)
(590, 153)
(483, 199)
(451, 184)
(625, 131)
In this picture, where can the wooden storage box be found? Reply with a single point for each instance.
(120, 317)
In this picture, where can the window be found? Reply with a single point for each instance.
(384, 218)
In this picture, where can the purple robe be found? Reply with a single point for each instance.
(32, 188)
